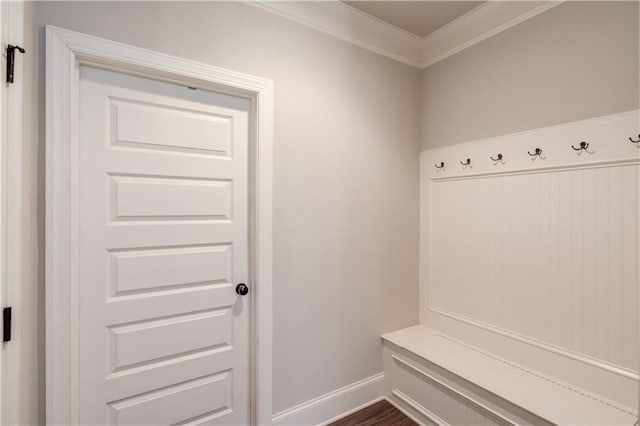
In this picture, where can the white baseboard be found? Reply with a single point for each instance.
(334, 405)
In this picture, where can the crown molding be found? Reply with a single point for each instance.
(361, 29)
(486, 20)
(352, 25)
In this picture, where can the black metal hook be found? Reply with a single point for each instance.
(440, 166)
(11, 57)
(583, 146)
(537, 152)
(497, 159)
(635, 141)
(467, 163)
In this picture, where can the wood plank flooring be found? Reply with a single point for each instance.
(380, 414)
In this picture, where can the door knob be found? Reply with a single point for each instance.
(242, 289)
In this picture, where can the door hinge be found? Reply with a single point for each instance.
(11, 59)
(6, 324)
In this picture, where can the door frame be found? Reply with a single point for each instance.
(65, 51)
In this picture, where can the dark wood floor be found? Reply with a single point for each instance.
(381, 414)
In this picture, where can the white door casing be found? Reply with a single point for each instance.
(163, 337)
(145, 249)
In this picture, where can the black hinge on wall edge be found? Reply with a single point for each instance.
(11, 59)
(6, 324)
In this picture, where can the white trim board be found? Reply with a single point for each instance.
(65, 52)
(361, 29)
(334, 405)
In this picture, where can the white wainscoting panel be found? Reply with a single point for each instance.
(542, 249)
(425, 393)
(549, 255)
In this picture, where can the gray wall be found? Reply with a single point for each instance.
(347, 138)
(346, 175)
(575, 61)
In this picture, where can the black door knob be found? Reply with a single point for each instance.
(242, 289)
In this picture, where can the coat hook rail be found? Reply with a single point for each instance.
(638, 141)
(582, 147)
(441, 166)
(537, 152)
(468, 162)
(497, 159)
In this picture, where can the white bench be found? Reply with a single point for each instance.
(439, 380)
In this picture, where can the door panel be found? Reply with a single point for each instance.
(163, 238)
(173, 267)
(179, 403)
(158, 198)
(171, 128)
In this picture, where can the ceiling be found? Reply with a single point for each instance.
(418, 17)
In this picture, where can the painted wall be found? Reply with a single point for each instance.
(577, 60)
(348, 125)
(345, 184)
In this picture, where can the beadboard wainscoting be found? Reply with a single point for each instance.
(529, 249)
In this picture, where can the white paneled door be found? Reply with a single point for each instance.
(162, 201)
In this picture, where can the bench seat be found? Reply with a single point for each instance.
(428, 373)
